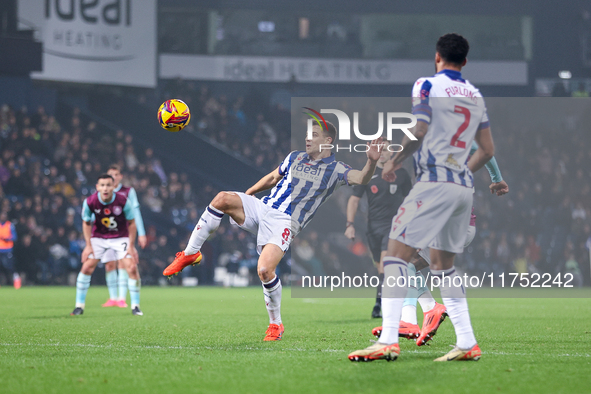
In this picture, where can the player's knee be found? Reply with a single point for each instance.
(223, 201)
(133, 273)
(265, 274)
(87, 270)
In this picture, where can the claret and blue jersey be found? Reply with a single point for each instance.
(111, 216)
(454, 110)
(306, 185)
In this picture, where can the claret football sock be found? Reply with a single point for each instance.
(272, 292)
(208, 223)
(82, 285)
(111, 278)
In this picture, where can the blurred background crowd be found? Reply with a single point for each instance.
(49, 164)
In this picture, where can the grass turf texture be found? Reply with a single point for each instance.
(210, 340)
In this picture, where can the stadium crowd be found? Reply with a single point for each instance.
(48, 167)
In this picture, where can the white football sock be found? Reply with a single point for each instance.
(454, 298)
(409, 314)
(393, 295)
(272, 292)
(208, 223)
(427, 301)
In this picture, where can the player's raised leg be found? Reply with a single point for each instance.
(134, 284)
(82, 285)
(268, 260)
(224, 203)
(111, 279)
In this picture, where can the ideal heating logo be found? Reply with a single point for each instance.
(344, 128)
(109, 13)
(89, 30)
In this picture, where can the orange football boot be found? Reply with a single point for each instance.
(431, 322)
(405, 330)
(180, 262)
(274, 332)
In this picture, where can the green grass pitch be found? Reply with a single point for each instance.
(205, 340)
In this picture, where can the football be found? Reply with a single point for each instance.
(174, 115)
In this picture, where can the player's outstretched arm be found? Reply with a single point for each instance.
(356, 177)
(352, 206)
(485, 151)
(265, 183)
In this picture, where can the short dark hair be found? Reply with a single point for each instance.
(453, 48)
(115, 167)
(331, 131)
(105, 176)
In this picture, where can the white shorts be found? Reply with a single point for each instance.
(434, 214)
(426, 253)
(268, 224)
(111, 255)
(101, 246)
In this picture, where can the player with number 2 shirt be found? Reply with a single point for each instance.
(451, 113)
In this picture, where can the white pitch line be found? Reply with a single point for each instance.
(415, 351)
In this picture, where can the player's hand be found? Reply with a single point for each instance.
(389, 171)
(374, 149)
(142, 241)
(499, 188)
(350, 232)
(85, 253)
(134, 254)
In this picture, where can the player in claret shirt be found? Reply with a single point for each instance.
(114, 229)
(116, 274)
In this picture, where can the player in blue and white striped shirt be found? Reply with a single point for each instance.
(436, 213)
(303, 182)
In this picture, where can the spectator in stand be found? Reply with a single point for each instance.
(7, 239)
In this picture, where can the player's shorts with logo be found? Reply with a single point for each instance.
(377, 238)
(269, 225)
(100, 246)
(434, 214)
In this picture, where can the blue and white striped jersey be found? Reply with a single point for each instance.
(454, 110)
(306, 185)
